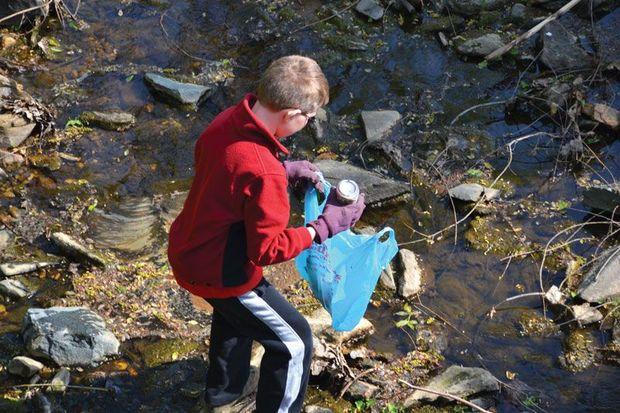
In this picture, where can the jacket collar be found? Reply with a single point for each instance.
(249, 125)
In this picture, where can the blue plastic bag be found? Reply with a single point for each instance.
(344, 270)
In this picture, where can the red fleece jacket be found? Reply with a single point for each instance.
(235, 218)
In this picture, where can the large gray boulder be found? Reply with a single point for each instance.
(603, 197)
(602, 282)
(561, 51)
(71, 336)
(480, 46)
(377, 188)
(183, 93)
(457, 381)
(377, 123)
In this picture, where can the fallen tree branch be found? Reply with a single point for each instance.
(504, 49)
(446, 395)
(356, 378)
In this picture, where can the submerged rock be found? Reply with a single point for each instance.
(68, 335)
(377, 123)
(603, 197)
(377, 188)
(472, 192)
(75, 250)
(184, 93)
(109, 120)
(481, 46)
(603, 281)
(370, 8)
(458, 381)
(24, 366)
(579, 351)
(14, 130)
(13, 288)
(561, 51)
(584, 314)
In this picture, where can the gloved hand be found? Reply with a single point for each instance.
(301, 172)
(337, 217)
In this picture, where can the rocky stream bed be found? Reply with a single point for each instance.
(499, 176)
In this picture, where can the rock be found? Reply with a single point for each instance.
(320, 125)
(409, 278)
(472, 192)
(360, 390)
(584, 314)
(473, 7)
(607, 30)
(480, 46)
(377, 188)
(24, 366)
(68, 335)
(3, 174)
(561, 51)
(5, 239)
(111, 120)
(458, 381)
(377, 123)
(7, 41)
(184, 93)
(10, 160)
(320, 322)
(75, 250)
(370, 8)
(61, 380)
(602, 282)
(441, 23)
(602, 114)
(14, 129)
(316, 409)
(554, 295)
(387, 278)
(9, 269)
(603, 197)
(579, 351)
(13, 288)
(518, 12)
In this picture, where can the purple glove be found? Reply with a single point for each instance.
(302, 172)
(337, 217)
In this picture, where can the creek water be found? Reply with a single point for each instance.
(401, 69)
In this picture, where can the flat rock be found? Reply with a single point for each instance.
(370, 8)
(409, 277)
(68, 335)
(377, 123)
(24, 366)
(561, 51)
(377, 188)
(316, 409)
(183, 93)
(9, 269)
(14, 130)
(602, 282)
(481, 46)
(603, 197)
(362, 390)
(458, 381)
(473, 7)
(13, 288)
(109, 120)
(320, 322)
(607, 30)
(75, 250)
(584, 314)
(472, 192)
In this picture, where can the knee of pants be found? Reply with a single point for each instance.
(305, 333)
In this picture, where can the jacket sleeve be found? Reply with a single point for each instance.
(266, 216)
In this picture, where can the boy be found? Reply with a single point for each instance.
(234, 221)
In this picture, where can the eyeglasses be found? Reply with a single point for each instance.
(308, 116)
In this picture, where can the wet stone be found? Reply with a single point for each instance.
(68, 335)
(602, 282)
(387, 278)
(183, 93)
(561, 51)
(584, 314)
(377, 188)
(370, 8)
(14, 130)
(377, 123)
(9, 160)
(472, 192)
(13, 268)
(480, 46)
(458, 381)
(518, 12)
(409, 278)
(320, 322)
(13, 288)
(75, 250)
(603, 197)
(110, 120)
(24, 366)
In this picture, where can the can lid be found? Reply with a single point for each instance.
(348, 189)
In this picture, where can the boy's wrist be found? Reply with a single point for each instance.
(312, 232)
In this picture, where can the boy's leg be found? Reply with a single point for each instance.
(229, 361)
(267, 317)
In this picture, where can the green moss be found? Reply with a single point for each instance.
(156, 353)
(534, 325)
(579, 351)
(487, 236)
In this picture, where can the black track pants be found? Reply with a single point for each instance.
(265, 316)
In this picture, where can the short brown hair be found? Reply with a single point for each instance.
(293, 82)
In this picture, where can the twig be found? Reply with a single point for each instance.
(10, 16)
(173, 44)
(68, 386)
(326, 18)
(356, 378)
(476, 107)
(446, 395)
(502, 50)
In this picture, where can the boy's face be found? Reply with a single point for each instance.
(292, 121)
